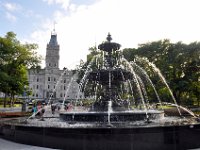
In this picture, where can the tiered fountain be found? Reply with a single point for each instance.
(108, 74)
(120, 117)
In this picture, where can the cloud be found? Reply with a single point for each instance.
(11, 6)
(10, 9)
(64, 3)
(130, 23)
(10, 17)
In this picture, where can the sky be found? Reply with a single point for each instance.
(81, 24)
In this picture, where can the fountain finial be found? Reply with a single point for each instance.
(109, 38)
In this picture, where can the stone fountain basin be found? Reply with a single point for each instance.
(121, 116)
(176, 137)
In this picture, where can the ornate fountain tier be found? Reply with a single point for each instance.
(110, 76)
(117, 75)
(109, 46)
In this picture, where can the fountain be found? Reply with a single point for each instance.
(120, 115)
(107, 76)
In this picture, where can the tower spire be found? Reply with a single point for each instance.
(54, 24)
(54, 28)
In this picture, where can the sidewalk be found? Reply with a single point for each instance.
(11, 109)
(11, 112)
(9, 145)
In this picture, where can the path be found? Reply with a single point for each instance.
(8, 145)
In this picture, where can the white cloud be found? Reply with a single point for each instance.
(10, 9)
(11, 6)
(64, 3)
(130, 22)
(10, 17)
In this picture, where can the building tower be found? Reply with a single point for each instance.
(52, 52)
(51, 82)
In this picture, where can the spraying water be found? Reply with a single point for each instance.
(164, 81)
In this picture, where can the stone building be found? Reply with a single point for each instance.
(51, 82)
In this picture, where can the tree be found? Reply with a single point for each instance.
(15, 59)
(178, 62)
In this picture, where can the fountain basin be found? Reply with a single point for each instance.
(176, 137)
(118, 116)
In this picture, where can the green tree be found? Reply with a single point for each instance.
(15, 59)
(178, 62)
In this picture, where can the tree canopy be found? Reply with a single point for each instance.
(178, 62)
(15, 59)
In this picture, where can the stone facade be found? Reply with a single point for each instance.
(51, 82)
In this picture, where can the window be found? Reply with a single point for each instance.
(64, 80)
(48, 86)
(55, 79)
(37, 79)
(60, 94)
(49, 79)
(37, 87)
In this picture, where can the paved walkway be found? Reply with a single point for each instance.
(8, 145)
(11, 109)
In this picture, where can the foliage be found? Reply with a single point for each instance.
(15, 59)
(178, 62)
